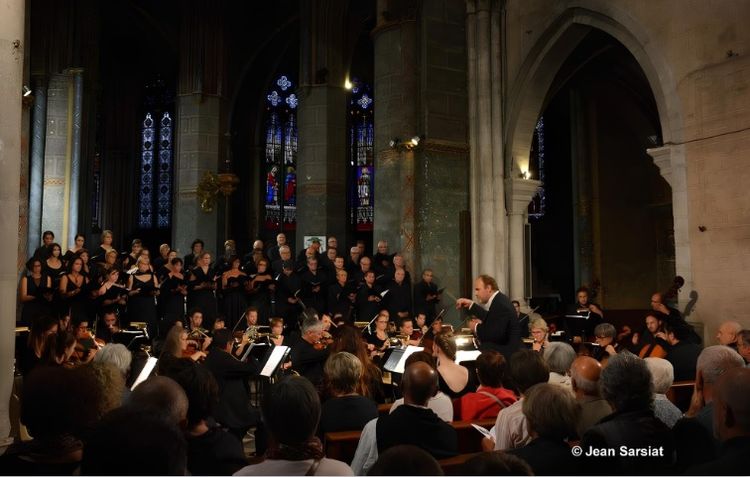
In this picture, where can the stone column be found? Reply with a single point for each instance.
(199, 125)
(75, 156)
(485, 132)
(36, 169)
(522, 191)
(11, 83)
(321, 162)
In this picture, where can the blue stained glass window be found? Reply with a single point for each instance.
(536, 164)
(280, 188)
(147, 173)
(157, 155)
(361, 157)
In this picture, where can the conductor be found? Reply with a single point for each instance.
(497, 325)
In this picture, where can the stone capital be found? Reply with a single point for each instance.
(521, 193)
(667, 159)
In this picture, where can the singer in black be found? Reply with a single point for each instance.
(496, 324)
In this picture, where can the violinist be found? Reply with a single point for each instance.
(176, 347)
(429, 338)
(406, 330)
(197, 335)
(420, 327)
(307, 359)
(85, 345)
(60, 350)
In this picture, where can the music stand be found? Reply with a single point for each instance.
(274, 361)
(577, 323)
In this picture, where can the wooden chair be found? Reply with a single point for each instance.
(680, 393)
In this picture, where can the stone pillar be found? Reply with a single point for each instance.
(11, 83)
(75, 155)
(522, 191)
(56, 158)
(36, 169)
(671, 163)
(396, 95)
(485, 132)
(321, 162)
(199, 128)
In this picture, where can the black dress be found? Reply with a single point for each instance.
(171, 301)
(204, 298)
(76, 305)
(234, 304)
(142, 306)
(260, 297)
(40, 305)
(471, 385)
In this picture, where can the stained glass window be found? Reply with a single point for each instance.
(536, 166)
(157, 144)
(280, 197)
(361, 160)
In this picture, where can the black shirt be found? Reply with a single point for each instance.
(215, 453)
(347, 413)
(683, 357)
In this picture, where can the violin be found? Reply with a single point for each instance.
(324, 342)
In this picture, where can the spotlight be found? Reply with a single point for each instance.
(26, 91)
(415, 141)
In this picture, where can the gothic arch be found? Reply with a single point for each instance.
(527, 94)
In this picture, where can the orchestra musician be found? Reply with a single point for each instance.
(307, 358)
(277, 331)
(377, 340)
(539, 333)
(196, 333)
(86, 345)
(406, 329)
(108, 325)
(595, 314)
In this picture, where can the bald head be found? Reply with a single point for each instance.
(731, 404)
(727, 333)
(163, 396)
(419, 383)
(584, 374)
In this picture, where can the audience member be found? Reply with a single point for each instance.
(120, 357)
(559, 357)
(552, 415)
(345, 410)
(527, 368)
(727, 334)
(731, 425)
(129, 441)
(211, 449)
(162, 396)
(662, 377)
(584, 379)
(626, 383)
(743, 346)
(405, 460)
(682, 353)
(440, 403)
(491, 397)
(496, 463)
(291, 411)
(454, 380)
(694, 434)
(413, 423)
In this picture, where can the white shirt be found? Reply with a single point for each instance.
(296, 467)
(367, 449)
(511, 429)
(440, 404)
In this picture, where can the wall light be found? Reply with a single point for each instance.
(525, 175)
(409, 145)
(347, 84)
(26, 91)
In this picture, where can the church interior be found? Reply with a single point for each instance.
(544, 149)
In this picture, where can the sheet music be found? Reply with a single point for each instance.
(148, 368)
(483, 431)
(467, 355)
(408, 352)
(278, 353)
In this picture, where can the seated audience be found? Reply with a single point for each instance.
(662, 377)
(626, 383)
(345, 410)
(440, 403)
(405, 460)
(59, 407)
(682, 353)
(455, 380)
(491, 397)
(162, 396)
(121, 358)
(731, 424)
(495, 463)
(370, 385)
(727, 334)
(412, 423)
(584, 380)
(527, 368)
(559, 356)
(552, 415)
(129, 441)
(211, 449)
(291, 411)
(694, 434)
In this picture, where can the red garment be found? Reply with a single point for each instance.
(476, 405)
